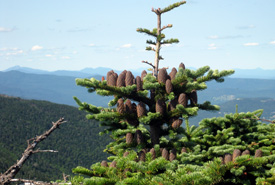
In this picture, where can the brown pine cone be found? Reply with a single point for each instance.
(227, 158)
(182, 66)
(141, 156)
(126, 154)
(182, 99)
(129, 138)
(113, 164)
(104, 164)
(173, 73)
(168, 86)
(129, 78)
(121, 79)
(112, 80)
(133, 122)
(193, 98)
(161, 106)
(141, 110)
(183, 150)
(120, 106)
(173, 104)
(246, 152)
(236, 153)
(143, 74)
(139, 137)
(176, 123)
(165, 154)
(139, 83)
(258, 153)
(162, 75)
(153, 152)
(128, 106)
(173, 154)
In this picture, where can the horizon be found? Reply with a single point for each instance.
(69, 35)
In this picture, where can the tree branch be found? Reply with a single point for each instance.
(7, 177)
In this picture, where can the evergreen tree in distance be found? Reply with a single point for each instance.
(145, 118)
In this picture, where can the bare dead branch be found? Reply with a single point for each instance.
(32, 143)
(148, 64)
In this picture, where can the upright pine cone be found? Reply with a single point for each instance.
(173, 73)
(176, 123)
(108, 76)
(139, 83)
(173, 154)
(112, 79)
(162, 75)
(182, 66)
(236, 153)
(165, 154)
(183, 150)
(153, 152)
(173, 104)
(113, 164)
(139, 137)
(141, 110)
(129, 78)
(168, 86)
(160, 106)
(182, 99)
(143, 74)
(125, 154)
(129, 138)
(121, 79)
(193, 98)
(128, 106)
(104, 164)
(246, 152)
(141, 156)
(258, 153)
(227, 158)
(120, 106)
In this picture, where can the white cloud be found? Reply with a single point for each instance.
(213, 37)
(65, 57)
(48, 55)
(212, 46)
(272, 42)
(251, 44)
(246, 26)
(36, 47)
(126, 46)
(91, 45)
(74, 52)
(2, 29)
(166, 45)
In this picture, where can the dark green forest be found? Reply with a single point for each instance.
(77, 141)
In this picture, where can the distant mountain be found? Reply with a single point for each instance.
(102, 71)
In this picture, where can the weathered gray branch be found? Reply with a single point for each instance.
(7, 177)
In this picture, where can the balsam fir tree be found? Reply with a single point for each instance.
(145, 121)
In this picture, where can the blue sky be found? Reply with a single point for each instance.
(75, 34)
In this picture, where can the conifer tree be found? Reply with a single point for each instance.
(150, 145)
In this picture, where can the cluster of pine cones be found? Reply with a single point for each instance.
(236, 153)
(126, 78)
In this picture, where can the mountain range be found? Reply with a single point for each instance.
(257, 73)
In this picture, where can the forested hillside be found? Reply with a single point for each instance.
(77, 142)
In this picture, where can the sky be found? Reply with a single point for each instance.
(76, 34)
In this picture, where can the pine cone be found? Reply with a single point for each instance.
(160, 106)
(183, 150)
(126, 154)
(182, 66)
(128, 106)
(246, 152)
(139, 137)
(258, 153)
(129, 78)
(113, 164)
(153, 152)
(173, 154)
(168, 86)
(104, 164)
(176, 124)
(162, 75)
(133, 122)
(120, 106)
(139, 83)
(236, 153)
(141, 156)
(141, 110)
(173, 104)
(112, 79)
(165, 154)
(193, 98)
(143, 74)
(227, 158)
(121, 79)
(173, 73)
(182, 99)
(108, 76)
(129, 138)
